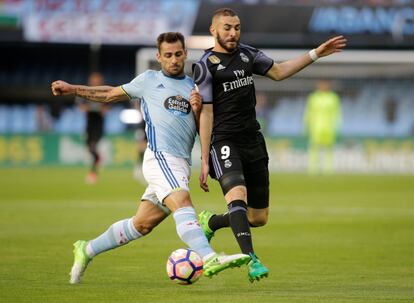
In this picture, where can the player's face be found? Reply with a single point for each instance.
(172, 58)
(227, 32)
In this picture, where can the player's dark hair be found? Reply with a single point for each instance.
(170, 37)
(224, 12)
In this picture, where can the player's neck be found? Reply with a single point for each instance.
(178, 76)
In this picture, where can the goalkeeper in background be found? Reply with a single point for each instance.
(322, 119)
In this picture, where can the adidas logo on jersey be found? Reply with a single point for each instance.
(220, 67)
(160, 86)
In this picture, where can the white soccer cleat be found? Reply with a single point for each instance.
(220, 262)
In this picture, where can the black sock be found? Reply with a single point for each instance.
(240, 225)
(219, 221)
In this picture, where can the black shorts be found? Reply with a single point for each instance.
(93, 135)
(246, 160)
(94, 127)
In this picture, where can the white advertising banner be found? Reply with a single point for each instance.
(108, 22)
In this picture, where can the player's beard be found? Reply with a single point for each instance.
(222, 43)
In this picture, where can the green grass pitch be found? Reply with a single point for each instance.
(329, 239)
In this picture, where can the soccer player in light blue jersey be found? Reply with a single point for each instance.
(170, 104)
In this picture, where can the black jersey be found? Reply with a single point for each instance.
(226, 81)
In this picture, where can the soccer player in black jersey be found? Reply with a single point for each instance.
(232, 147)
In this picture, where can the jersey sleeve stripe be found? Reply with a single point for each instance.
(125, 92)
(267, 69)
(199, 72)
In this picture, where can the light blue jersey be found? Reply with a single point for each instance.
(170, 124)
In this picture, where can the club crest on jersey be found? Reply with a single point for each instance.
(214, 59)
(177, 105)
(244, 58)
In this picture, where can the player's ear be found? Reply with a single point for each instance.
(213, 30)
(158, 56)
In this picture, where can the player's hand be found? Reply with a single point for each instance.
(196, 100)
(62, 88)
(334, 45)
(203, 176)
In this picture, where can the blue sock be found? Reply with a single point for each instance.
(118, 234)
(189, 230)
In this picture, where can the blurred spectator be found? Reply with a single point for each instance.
(322, 118)
(390, 108)
(262, 111)
(43, 119)
(94, 125)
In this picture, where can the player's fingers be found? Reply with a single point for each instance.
(337, 43)
(204, 186)
(203, 182)
(195, 93)
(195, 96)
(337, 38)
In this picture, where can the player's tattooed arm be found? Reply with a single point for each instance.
(105, 94)
(94, 93)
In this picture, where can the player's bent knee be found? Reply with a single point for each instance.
(231, 180)
(257, 217)
(177, 200)
(257, 222)
(144, 228)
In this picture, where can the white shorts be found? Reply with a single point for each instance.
(165, 174)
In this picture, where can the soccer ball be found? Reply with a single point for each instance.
(184, 266)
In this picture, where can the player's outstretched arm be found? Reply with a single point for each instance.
(103, 94)
(280, 71)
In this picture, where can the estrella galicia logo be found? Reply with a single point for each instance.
(178, 105)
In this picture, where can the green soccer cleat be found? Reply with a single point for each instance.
(203, 219)
(81, 261)
(257, 270)
(220, 262)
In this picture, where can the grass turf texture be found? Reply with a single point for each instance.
(329, 239)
